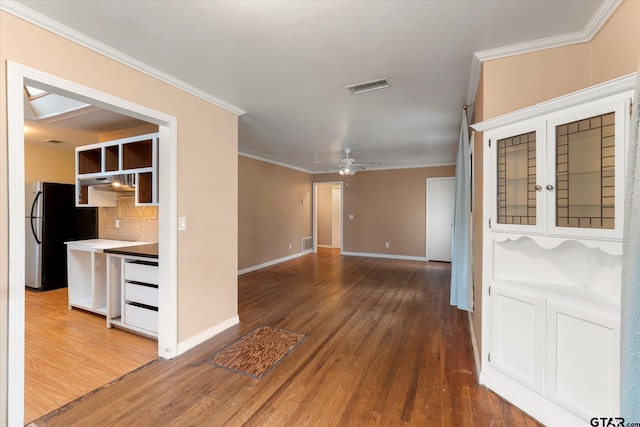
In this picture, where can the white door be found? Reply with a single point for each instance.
(336, 216)
(439, 218)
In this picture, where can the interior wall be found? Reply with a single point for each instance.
(50, 164)
(126, 133)
(274, 211)
(387, 206)
(616, 47)
(324, 214)
(207, 157)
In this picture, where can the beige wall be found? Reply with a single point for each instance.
(126, 133)
(616, 48)
(324, 212)
(520, 81)
(207, 158)
(388, 206)
(43, 163)
(524, 80)
(271, 213)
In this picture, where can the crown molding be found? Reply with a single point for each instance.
(33, 17)
(621, 86)
(273, 162)
(594, 25)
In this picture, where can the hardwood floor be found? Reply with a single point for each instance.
(69, 353)
(383, 348)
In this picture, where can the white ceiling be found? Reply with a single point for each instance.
(286, 63)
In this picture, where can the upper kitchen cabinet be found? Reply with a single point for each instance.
(129, 164)
(557, 169)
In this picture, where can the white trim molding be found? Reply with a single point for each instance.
(273, 262)
(207, 334)
(474, 345)
(33, 17)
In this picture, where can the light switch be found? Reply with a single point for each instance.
(350, 216)
(182, 223)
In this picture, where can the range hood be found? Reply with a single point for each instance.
(117, 183)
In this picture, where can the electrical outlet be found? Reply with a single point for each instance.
(290, 246)
(386, 245)
(117, 223)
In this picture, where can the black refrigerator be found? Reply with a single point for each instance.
(52, 219)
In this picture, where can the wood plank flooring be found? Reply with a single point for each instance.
(69, 353)
(383, 348)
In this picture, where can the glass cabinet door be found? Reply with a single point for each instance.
(585, 173)
(516, 179)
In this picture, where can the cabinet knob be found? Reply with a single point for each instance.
(538, 187)
(549, 187)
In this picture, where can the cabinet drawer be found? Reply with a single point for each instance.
(141, 272)
(141, 317)
(147, 295)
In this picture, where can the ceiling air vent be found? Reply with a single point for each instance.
(52, 141)
(368, 86)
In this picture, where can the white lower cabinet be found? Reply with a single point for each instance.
(140, 296)
(133, 294)
(141, 317)
(517, 337)
(566, 353)
(582, 360)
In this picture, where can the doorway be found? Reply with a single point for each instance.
(439, 226)
(18, 76)
(327, 215)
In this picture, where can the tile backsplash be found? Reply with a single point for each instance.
(136, 222)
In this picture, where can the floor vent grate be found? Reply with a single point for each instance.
(307, 243)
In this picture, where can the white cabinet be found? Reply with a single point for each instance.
(582, 360)
(135, 298)
(552, 253)
(557, 173)
(517, 335)
(87, 273)
(136, 156)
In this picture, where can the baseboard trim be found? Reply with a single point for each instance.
(198, 339)
(474, 344)
(273, 262)
(390, 256)
(325, 246)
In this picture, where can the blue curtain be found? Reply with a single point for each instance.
(461, 278)
(630, 309)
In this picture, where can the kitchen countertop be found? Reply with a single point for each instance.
(99, 245)
(147, 250)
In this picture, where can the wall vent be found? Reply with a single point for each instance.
(368, 86)
(307, 244)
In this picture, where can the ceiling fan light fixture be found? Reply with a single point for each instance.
(346, 170)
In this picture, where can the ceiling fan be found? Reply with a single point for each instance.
(349, 166)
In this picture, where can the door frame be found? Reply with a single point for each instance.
(17, 75)
(315, 213)
(426, 212)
